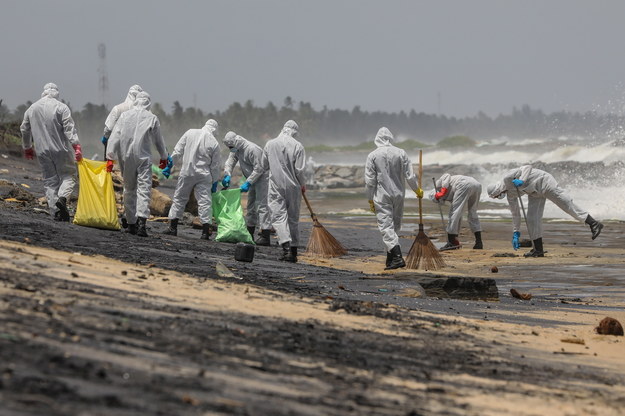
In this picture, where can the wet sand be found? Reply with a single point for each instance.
(99, 322)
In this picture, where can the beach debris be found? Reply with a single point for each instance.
(494, 269)
(504, 255)
(413, 292)
(518, 295)
(223, 271)
(573, 340)
(525, 242)
(609, 326)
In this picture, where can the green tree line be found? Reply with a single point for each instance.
(342, 127)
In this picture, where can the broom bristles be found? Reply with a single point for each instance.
(424, 253)
(322, 244)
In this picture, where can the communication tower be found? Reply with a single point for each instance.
(103, 78)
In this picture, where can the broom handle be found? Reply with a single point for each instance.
(440, 209)
(312, 214)
(419, 181)
(524, 216)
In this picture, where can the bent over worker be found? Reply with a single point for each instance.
(250, 157)
(286, 159)
(200, 164)
(386, 171)
(135, 132)
(48, 124)
(460, 191)
(539, 186)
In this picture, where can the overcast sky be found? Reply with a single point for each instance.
(382, 55)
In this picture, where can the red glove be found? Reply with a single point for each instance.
(77, 152)
(440, 193)
(29, 153)
(303, 189)
(109, 166)
(162, 164)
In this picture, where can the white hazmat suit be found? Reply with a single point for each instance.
(133, 136)
(386, 171)
(48, 124)
(461, 190)
(539, 186)
(198, 155)
(119, 109)
(286, 159)
(250, 158)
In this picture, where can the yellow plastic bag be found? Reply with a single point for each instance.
(96, 198)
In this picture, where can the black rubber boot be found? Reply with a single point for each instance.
(452, 243)
(537, 251)
(397, 260)
(206, 232)
(293, 254)
(141, 230)
(61, 204)
(389, 258)
(173, 227)
(287, 255)
(595, 226)
(131, 229)
(251, 229)
(478, 241)
(124, 223)
(264, 239)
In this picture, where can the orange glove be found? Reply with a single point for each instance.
(77, 152)
(109, 165)
(29, 153)
(440, 193)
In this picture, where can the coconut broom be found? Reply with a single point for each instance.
(321, 243)
(423, 252)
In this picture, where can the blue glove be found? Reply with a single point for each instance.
(170, 163)
(226, 181)
(517, 182)
(104, 140)
(214, 187)
(166, 172)
(246, 186)
(515, 240)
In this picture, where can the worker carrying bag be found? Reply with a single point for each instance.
(96, 198)
(228, 214)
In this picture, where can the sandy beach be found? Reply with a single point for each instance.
(100, 322)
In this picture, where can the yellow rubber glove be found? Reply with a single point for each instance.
(371, 206)
(419, 193)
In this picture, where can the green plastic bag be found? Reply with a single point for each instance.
(228, 213)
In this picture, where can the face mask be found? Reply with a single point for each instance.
(233, 150)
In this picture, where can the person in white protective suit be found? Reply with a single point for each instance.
(539, 186)
(386, 171)
(117, 111)
(250, 158)
(48, 124)
(459, 190)
(286, 159)
(133, 136)
(199, 157)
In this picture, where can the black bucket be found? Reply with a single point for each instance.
(244, 252)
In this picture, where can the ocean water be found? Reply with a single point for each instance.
(591, 170)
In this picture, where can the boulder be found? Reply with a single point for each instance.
(160, 203)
